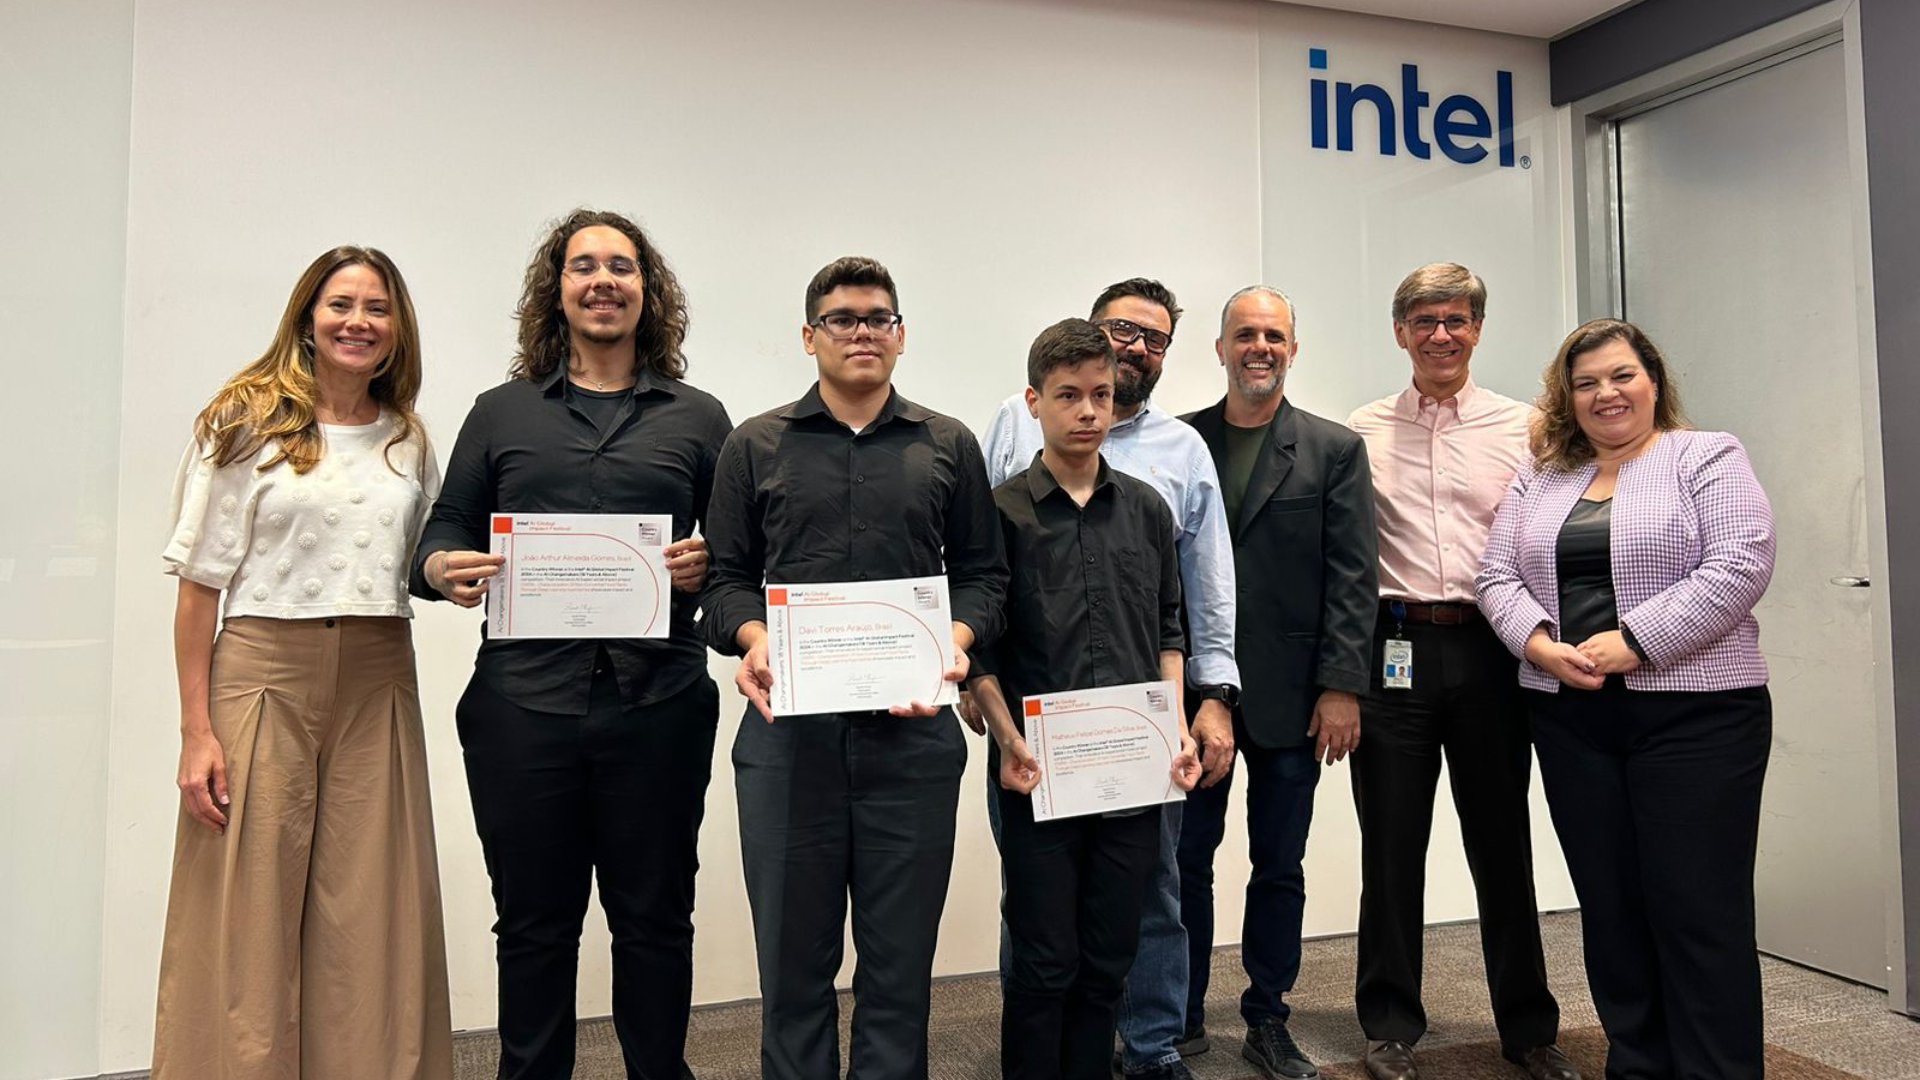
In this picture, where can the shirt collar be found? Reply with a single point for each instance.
(1132, 421)
(1041, 484)
(555, 382)
(896, 408)
(1466, 402)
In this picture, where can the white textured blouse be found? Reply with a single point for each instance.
(336, 541)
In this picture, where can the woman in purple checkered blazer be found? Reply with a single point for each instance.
(1623, 569)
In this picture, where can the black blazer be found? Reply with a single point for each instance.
(1305, 557)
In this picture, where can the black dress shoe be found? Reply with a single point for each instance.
(1545, 1063)
(1390, 1060)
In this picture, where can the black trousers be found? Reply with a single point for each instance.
(840, 806)
(1279, 797)
(1075, 888)
(620, 793)
(1465, 703)
(1656, 797)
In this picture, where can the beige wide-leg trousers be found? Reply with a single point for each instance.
(306, 942)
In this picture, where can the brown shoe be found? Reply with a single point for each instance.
(1545, 1063)
(1390, 1060)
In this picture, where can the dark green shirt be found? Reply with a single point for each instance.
(1243, 449)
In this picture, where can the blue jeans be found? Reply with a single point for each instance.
(1153, 1005)
(1279, 800)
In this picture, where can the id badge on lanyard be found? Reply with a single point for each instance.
(1396, 665)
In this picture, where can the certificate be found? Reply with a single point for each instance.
(1105, 749)
(580, 576)
(854, 646)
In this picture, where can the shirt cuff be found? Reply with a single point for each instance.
(1213, 670)
(1634, 644)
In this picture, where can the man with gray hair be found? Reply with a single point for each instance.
(1299, 500)
(1439, 683)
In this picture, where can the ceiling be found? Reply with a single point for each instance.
(1528, 18)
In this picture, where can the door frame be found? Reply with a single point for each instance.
(1592, 197)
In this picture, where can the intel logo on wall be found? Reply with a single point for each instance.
(1461, 127)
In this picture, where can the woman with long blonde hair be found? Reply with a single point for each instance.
(303, 933)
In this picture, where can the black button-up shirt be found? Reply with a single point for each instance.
(800, 497)
(531, 448)
(1094, 597)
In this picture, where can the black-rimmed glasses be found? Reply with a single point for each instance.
(1124, 332)
(844, 324)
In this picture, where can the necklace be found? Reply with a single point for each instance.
(599, 384)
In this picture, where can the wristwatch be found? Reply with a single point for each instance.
(1225, 693)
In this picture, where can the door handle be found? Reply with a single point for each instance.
(1851, 582)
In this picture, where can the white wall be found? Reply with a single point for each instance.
(64, 74)
(1339, 232)
(1007, 159)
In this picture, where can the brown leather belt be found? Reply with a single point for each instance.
(1432, 614)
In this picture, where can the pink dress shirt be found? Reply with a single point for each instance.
(1440, 469)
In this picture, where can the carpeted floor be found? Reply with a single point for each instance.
(1818, 1028)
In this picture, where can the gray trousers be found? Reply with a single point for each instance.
(841, 806)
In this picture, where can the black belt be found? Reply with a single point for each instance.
(1413, 611)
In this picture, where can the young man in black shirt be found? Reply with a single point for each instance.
(852, 482)
(588, 758)
(1094, 601)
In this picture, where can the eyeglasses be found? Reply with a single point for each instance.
(586, 266)
(844, 324)
(1425, 325)
(1126, 333)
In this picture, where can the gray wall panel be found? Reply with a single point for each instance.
(1650, 35)
(1889, 37)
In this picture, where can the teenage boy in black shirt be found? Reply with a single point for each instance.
(852, 482)
(1094, 601)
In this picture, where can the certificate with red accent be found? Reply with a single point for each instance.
(857, 646)
(1104, 750)
(581, 576)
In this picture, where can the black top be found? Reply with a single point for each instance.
(530, 447)
(799, 497)
(605, 408)
(1094, 596)
(1585, 564)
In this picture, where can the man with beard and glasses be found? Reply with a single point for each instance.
(1138, 316)
(1299, 500)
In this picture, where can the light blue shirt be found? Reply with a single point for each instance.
(1165, 452)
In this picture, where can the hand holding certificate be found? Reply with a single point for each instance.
(580, 576)
(1114, 748)
(858, 646)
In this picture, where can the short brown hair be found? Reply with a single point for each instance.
(849, 270)
(1437, 283)
(1556, 439)
(1067, 343)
